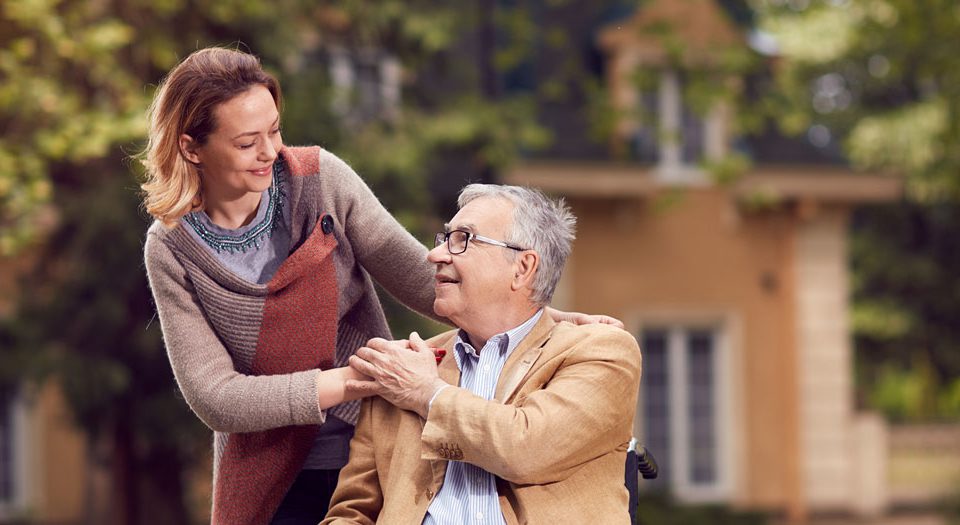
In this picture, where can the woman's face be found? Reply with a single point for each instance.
(237, 160)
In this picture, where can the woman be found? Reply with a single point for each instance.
(260, 263)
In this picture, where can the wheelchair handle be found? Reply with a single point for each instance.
(646, 464)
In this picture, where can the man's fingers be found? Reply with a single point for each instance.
(376, 342)
(417, 343)
(364, 367)
(368, 354)
(374, 356)
(382, 345)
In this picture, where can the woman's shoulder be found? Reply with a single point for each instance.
(157, 232)
(161, 240)
(306, 161)
(157, 252)
(302, 160)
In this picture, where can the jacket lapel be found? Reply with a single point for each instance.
(448, 370)
(523, 358)
(450, 374)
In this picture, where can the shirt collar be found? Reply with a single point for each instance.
(507, 341)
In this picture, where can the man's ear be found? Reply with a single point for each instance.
(188, 148)
(525, 269)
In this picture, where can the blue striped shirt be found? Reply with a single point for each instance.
(469, 493)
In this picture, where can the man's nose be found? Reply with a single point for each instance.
(439, 254)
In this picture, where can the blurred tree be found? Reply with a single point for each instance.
(72, 76)
(85, 318)
(881, 79)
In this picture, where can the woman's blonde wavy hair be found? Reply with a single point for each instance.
(184, 103)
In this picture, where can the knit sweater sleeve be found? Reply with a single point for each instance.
(385, 249)
(224, 399)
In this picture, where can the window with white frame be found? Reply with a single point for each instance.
(683, 410)
(671, 134)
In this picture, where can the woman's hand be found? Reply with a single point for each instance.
(581, 318)
(331, 386)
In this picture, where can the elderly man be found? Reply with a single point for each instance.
(524, 420)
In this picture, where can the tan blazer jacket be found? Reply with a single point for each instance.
(555, 437)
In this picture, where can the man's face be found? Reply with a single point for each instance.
(470, 285)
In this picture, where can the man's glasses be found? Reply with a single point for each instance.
(457, 241)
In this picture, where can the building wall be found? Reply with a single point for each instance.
(696, 255)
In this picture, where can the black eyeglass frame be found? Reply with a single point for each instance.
(444, 237)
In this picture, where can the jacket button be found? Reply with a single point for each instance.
(429, 494)
(326, 224)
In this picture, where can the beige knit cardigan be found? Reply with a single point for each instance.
(210, 318)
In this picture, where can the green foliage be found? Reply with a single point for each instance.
(881, 320)
(729, 169)
(903, 394)
(602, 116)
(906, 294)
(915, 393)
(396, 157)
(904, 138)
(63, 98)
(882, 75)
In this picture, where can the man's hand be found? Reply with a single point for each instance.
(580, 318)
(403, 372)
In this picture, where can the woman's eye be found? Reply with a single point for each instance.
(275, 131)
(245, 146)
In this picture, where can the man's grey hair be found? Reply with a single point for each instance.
(544, 225)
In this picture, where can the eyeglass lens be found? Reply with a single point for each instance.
(456, 241)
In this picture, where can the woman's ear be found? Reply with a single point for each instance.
(525, 269)
(188, 148)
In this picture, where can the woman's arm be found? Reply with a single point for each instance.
(383, 247)
(224, 399)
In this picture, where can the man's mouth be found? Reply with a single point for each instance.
(443, 279)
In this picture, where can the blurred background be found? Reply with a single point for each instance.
(768, 195)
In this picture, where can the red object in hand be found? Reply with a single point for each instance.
(439, 353)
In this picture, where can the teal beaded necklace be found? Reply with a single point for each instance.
(253, 237)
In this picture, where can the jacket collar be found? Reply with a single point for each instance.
(521, 360)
